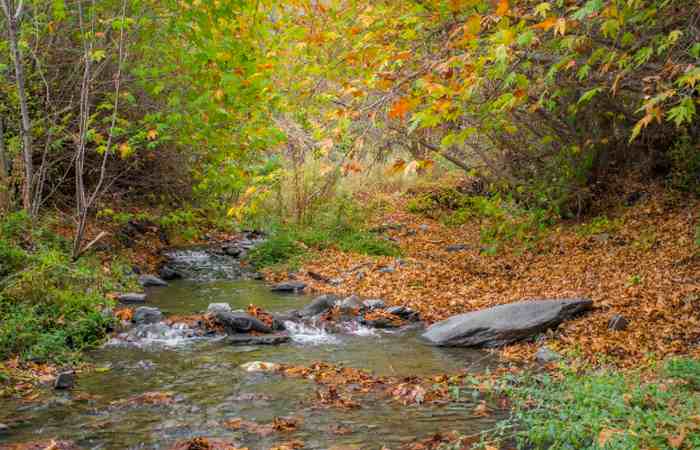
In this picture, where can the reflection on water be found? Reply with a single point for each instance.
(208, 387)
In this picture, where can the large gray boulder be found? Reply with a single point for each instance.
(504, 324)
(240, 322)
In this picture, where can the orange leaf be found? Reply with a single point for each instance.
(546, 24)
(400, 108)
(502, 8)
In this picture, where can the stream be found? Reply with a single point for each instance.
(209, 387)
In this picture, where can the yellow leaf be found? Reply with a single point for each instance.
(219, 94)
(502, 8)
(125, 150)
(472, 26)
(560, 26)
(425, 165)
(152, 135)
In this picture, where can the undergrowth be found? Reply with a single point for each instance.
(51, 308)
(502, 221)
(341, 226)
(609, 410)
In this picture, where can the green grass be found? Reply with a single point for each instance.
(608, 409)
(51, 308)
(291, 244)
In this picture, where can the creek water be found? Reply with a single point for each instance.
(209, 387)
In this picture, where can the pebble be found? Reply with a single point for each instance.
(260, 366)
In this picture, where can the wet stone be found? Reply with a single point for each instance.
(217, 308)
(146, 315)
(151, 281)
(132, 297)
(249, 339)
(168, 273)
(64, 380)
(289, 286)
(403, 312)
(319, 305)
(350, 304)
(374, 303)
(239, 322)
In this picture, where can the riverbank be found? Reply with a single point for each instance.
(637, 262)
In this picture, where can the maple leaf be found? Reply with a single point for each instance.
(400, 108)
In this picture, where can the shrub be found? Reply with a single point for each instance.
(278, 248)
(685, 165)
(51, 307)
(434, 204)
(600, 224)
(341, 225)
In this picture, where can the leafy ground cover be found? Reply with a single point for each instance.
(609, 409)
(642, 263)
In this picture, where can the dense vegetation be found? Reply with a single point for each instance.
(51, 307)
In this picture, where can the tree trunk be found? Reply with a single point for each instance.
(25, 123)
(4, 172)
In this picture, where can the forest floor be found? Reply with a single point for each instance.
(640, 262)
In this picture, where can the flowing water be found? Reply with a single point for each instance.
(209, 387)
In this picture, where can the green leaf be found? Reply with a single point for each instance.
(683, 113)
(98, 55)
(588, 95)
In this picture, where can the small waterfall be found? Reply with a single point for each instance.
(157, 335)
(203, 265)
(309, 334)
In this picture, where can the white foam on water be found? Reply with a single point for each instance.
(156, 335)
(358, 329)
(309, 334)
